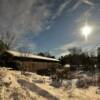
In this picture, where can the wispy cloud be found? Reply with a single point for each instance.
(61, 8)
(23, 16)
(87, 46)
(89, 2)
(79, 2)
(25, 45)
(66, 46)
(63, 50)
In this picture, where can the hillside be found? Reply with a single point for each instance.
(14, 86)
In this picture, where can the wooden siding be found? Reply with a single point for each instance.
(34, 66)
(29, 64)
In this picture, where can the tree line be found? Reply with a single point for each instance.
(78, 59)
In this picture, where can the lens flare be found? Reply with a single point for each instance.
(86, 31)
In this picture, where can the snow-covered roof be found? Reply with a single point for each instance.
(29, 55)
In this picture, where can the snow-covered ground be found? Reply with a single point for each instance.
(14, 86)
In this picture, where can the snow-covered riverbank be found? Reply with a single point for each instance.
(14, 86)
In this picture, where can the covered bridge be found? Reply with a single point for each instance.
(28, 61)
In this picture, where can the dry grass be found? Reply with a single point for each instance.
(34, 87)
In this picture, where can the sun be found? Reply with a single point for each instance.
(86, 31)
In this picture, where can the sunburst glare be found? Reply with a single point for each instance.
(86, 31)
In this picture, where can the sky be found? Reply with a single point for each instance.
(50, 25)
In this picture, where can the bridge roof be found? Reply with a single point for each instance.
(30, 55)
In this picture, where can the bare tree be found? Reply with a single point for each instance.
(7, 39)
(46, 54)
(75, 51)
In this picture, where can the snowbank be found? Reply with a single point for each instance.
(30, 86)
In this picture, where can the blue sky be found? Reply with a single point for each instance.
(51, 25)
(64, 33)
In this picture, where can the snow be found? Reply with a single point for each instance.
(30, 86)
(29, 55)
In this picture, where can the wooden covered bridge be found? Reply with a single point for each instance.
(28, 61)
